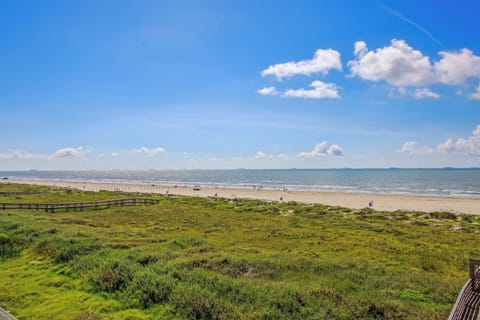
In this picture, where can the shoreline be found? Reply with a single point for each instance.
(381, 202)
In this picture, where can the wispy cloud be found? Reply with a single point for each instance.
(425, 93)
(140, 151)
(67, 152)
(399, 15)
(264, 156)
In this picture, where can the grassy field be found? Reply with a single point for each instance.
(199, 258)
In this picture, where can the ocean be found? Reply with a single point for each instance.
(432, 182)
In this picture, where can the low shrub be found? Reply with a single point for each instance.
(195, 302)
(113, 275)
(63, 250)
(7, 248)
(148, 287)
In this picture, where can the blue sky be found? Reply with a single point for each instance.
(239, 84)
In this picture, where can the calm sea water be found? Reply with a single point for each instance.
(436, 182)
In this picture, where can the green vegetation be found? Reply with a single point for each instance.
(193, 258)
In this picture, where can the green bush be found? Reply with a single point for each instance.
(194, 302)
(4, 238)
(443, 215)
(7, 248)
(148, 287)
(114, 275)
(62, 250)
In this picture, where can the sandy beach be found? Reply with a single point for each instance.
(380, 202)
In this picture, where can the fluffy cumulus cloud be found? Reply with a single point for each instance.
(402, 66)
(260, 155)
(476, 94)
(322, 150)
(397, 64)
(268, 91)
(469, 146)
(425, 93)
(320, 90)
(412, 148)
(323, 61)
(456, 67)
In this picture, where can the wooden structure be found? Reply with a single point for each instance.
(6, 194)
(467, 305)
(77, 206)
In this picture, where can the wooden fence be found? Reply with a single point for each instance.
(468, 302)
(8, 193)
(77, 206)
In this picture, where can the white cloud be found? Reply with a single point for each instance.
(360, 49)
(67, 152)
(456, 67)
(323, 61)
(260, 155)
(321, 150)
(411, 147)
(469, 146)
(20, 155)
(335, 150)
(140, 151)
(320, 90)
(397, 64)
(476, 94)
(70, 152)
(466, 146)
(425, 93)
(402, 66)
(263, 156)
(268, 91)
(148, 151)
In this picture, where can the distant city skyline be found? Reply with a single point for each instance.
(238, 84)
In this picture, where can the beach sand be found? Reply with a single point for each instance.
(381, 202)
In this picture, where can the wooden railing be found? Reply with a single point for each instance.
(77, 206)
(467, 305)
(474, 270)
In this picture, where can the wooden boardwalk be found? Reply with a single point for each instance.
(467, 305)
(77, 206)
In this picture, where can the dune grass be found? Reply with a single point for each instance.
(200, 258)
